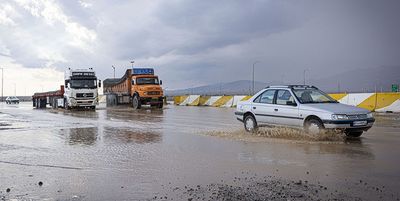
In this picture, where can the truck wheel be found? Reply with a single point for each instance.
(353, 133)
(250, 124)
(66, 106)
(136, 102)
(160, 105)
(314, 126)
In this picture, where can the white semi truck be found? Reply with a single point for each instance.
(80, 91)
(81, 88)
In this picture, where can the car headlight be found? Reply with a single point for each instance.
(339, 116)
(369, 115)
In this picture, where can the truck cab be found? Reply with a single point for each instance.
(81, 89)
(146, 88)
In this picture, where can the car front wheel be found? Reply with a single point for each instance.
(250, 124)
(314, 126)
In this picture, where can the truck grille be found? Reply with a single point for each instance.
(357, 116)
(153, 93)
(84, 95)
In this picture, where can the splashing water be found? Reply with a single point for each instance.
(280, 133)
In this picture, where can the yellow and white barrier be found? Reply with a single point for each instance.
(380, 102)
(236, 99)
(191, 100)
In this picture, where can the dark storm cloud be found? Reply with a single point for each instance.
(202, 42)
(214, 24)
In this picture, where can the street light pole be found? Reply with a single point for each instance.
(252, 91)
(113, 69)
(132, 63)
(2, 83)
(304, 76)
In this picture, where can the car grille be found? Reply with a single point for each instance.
(153, 93)
(84, 95)
(357, 116)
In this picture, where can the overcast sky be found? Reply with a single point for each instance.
(193, 43)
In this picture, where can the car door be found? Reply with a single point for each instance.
(286, 110)
(263, 107)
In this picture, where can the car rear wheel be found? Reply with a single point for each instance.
(314, 126)
(250, 124)
(353, 133)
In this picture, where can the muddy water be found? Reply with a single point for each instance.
(186, 152)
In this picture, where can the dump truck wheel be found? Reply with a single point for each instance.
(135, 102)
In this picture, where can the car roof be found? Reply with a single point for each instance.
(292, 86)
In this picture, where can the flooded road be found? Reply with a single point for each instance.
(122, 154)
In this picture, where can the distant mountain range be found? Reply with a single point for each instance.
(359, 80)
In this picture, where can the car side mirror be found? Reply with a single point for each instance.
(160, 82)
(99, 83)
(292, 103)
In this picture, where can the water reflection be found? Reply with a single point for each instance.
(143, 115)
(352, 148)
(125, 135)
(80, 136)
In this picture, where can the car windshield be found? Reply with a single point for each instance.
(312, 95)
(147, 80)
(79, 84)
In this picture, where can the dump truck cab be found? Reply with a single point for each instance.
(146, 88)
(139, 86)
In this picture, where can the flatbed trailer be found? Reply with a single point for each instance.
(53, 98)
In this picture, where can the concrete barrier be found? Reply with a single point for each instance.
(236, 99)
(203, 100)
(179, 99)
(192, 100)
(212, 100)
(380, 102)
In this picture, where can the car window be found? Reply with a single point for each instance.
(312, 95)
(283, 97)
(266, 97)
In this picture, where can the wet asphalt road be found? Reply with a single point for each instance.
(121, 154)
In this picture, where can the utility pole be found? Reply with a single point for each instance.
(113, 69)
(253, 76)
(132, 62)
(15, 89)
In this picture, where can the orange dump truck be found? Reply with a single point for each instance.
(139, 86)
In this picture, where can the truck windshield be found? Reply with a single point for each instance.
(79, 84)
(147, 80)
(312, 95)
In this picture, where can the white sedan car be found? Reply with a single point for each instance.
(302, 106)
(12, 100)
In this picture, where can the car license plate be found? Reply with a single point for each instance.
(359, 123)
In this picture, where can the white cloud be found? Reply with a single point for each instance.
(52, 14)
(26, 81)
(6, 11)
(85, 4)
